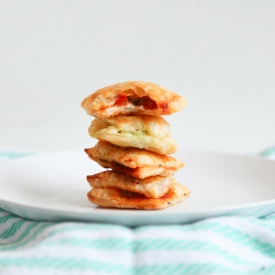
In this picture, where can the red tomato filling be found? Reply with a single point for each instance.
(122, 100)
(145, 101)
(148, 103)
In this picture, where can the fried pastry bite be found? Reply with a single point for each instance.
(152, 187)
(141, 131)
(139, 172)
(114, 197)
(138, 163)
(133, 97)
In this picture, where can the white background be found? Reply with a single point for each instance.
(219, 54)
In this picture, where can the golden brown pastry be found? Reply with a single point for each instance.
(134, 141)
(141, 131)
(133, 97)
(114, 197)
(152, 187)
(134, 162)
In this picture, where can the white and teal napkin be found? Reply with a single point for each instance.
(224, 245)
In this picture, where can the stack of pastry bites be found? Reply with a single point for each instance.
(134, 144)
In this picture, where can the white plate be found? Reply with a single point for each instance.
(53, 187)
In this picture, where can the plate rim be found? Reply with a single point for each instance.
(104, 212)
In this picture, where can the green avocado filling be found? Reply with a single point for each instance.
(136, 133)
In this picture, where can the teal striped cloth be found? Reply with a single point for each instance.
(223, 245)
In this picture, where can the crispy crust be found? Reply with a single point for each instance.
(140, 172)
(102, 103)
(141, 131)
(114, 197)
(151, 187)
(134, 162)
